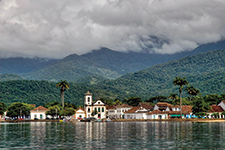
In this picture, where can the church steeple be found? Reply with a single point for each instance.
(88, 99)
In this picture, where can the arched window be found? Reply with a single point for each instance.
(88, 99)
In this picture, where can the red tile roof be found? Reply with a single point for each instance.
(186, 109)
(146, 105)
(40, 108)
(110, 107)
(133, 110)
(163, 104)
(157, 112)
(123, 105)
(216, 108)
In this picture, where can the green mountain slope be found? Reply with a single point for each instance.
(204, 71)
(8, 77)
(158, 79)
(71, 68)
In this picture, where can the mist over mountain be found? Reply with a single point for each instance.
(104, 63)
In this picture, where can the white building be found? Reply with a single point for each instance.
(157, 114)
(39, 113)
(90, 106)
(80, 113)
(136, 113)
(118, 111)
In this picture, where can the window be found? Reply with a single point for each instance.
(35, 116)
(98, 109)
(102, 109)
(88, 109)
(95, 109)
(88, 99)
(40, 116)
(98, 102)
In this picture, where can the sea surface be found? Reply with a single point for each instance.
(112, 135)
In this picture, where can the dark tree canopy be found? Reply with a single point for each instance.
(3, 108)
(19, 109)
(133, 101)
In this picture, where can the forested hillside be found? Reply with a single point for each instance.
(204, 71)
(8, 77)
(22, 65)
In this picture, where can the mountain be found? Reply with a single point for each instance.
(104, 63)
(204, 71)
(71, 68)
(8, 77)
(22, 65)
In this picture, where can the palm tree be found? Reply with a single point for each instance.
(63, 86)
(192, 91)
(181, 82)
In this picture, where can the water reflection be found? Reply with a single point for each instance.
(112, 135)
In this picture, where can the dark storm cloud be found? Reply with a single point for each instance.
(58, 28)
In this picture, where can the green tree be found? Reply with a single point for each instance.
(19, 109)
(50, 104)
(53, 111)
(212, 99)
(3, 108)
(192, 91)
(63, 85)
(199, 105)
(134, 101)
(155, 99)
(107, 101)
(117, 102)
(70, 111)
(180, 82)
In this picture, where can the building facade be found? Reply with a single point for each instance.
(90, 107)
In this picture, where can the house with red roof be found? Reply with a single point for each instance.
(157, 114)
(215, 109)
(136, 113)
(38, 113)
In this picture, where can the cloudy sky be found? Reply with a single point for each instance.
(57, 28)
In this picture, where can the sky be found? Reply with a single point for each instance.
(57, 28)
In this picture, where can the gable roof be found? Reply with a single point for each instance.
(157, 112)
(81, 109)
(163, 104)
(40, 108)
(123, 105)
(186, 109)
(146, 105)
(132, 110)
(216, 108)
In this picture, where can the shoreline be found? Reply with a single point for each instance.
(126, 120)
(169, 120)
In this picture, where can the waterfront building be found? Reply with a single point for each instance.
(157, 114)
(38, 113)
(136, 113)
(90, 107)
(80, 113)
(215, 109)
(118, 111)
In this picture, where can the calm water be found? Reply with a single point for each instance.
(112, 135)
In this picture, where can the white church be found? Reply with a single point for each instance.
(90, 106)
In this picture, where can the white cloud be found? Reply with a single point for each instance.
(58, 28)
